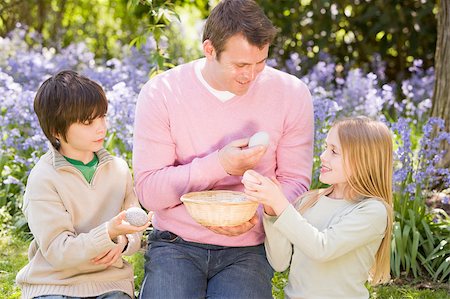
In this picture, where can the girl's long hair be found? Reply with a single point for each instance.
(367, 153)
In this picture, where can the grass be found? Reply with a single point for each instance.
(137, 260)
(395, 290)
(410, 292)
(13, 256)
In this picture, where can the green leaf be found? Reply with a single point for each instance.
(3, 160)
(397, 241)
(404, 243)
(446, 272)
(139, 41)
(438, 251)
(428, 233)
(442, 268)
(110, 142)
(427, 266)
(132, 3)
(414, 249)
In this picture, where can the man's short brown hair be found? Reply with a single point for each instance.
(231, 17)
(67, 98)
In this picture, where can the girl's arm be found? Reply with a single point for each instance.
(362, 225)
(278, 247)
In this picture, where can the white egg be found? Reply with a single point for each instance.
(136, 216)
(249, 178)
(259, 138)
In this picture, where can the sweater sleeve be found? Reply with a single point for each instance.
(134, 240)
(159, 181)
(53, 230)
(362, 225)
(295, 148)
(278, 247)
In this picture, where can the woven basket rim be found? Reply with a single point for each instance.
(191, 198)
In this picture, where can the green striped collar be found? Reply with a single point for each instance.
(59, 160)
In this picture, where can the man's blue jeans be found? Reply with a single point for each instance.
(111, 295)
(178, 269)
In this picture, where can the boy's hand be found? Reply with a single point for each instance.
(110, 257)
(118, 226)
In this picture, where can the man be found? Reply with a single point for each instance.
(192, 129)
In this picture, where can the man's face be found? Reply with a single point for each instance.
(237, 67)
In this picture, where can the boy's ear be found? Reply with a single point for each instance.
(56, 135)
(208, 50)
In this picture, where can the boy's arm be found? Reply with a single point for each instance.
(111, 256)
(134, 244)
(53, 230)
(134, 240)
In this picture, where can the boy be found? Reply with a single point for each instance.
(75, 199)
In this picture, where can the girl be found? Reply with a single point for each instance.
(335, 238)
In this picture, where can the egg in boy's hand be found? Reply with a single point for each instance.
(136, 216)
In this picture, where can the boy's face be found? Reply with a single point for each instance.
(83, 139)
(237, 67)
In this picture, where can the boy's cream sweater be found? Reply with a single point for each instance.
(67, 216)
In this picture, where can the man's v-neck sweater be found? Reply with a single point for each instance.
(180, 126)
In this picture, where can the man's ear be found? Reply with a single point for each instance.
(208, 50)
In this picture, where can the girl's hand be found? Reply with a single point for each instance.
(266, 191)
(118, 226)
(110, 257)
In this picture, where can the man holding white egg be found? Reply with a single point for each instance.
(192, 131)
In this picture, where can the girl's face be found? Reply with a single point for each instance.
(332, 171)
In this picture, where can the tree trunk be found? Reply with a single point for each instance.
(441, 97)
(41, 15)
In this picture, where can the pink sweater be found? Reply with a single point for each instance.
(180, 126)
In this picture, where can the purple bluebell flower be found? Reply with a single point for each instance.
(337, 91)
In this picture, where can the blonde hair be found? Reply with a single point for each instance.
(367, 154)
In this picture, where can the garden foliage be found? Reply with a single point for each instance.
(351, 30)
(420, 238)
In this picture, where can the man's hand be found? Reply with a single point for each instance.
(237, 230)
(235, 158)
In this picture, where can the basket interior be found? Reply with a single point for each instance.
(216, 197)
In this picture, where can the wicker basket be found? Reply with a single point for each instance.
(219, 207)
